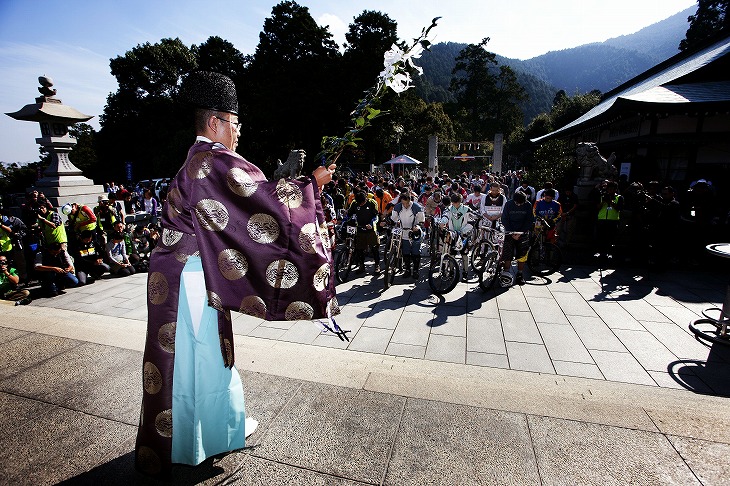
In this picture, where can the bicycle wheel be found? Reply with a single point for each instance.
(391, 262)
(544, 259)
(490, 270)
(479, 254)
(343, 265)
(709, 330)
(443, 277)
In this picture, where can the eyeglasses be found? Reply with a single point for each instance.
(236, 125)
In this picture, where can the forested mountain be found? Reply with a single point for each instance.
(597, 66)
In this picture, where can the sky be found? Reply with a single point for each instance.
(72, 41)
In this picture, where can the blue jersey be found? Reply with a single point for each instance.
(550, 211)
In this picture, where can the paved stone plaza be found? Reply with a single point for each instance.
(590, 377)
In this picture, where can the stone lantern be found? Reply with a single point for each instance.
(62, 182)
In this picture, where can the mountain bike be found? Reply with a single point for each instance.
(443, 272)
(393, 255)
(345, 259)
(544, 257)
(489, 256)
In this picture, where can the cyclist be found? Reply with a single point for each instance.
(517, 219)
(366, 214)
(411, 217)
(493, 204)
(455, 218)
(475, 200)
(550, 211)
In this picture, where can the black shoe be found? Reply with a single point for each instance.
(519, 279)
(24, 301)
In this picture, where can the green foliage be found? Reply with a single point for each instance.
(488, 95)
(291, 87)
(15, 178)
(552, 160)
(83, 154)
(712, 17)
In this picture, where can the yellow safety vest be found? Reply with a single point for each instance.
(54, 235)
(87, 224)
(609, 212)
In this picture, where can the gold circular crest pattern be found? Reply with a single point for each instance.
(263, 228)
(307, 238)
(148, 460)
(171, 237)
(212, 215)
(324, 235)
(163, 423)
(173, 203)
(322, 277)
(200, 165)
(157, 288)
(239, 182)
(334, 306)
(166, 336)
(214, 301)
(298, 311)
(253, 305)
(232, 264)
(289, 194)
(152, 378)
(282, 274)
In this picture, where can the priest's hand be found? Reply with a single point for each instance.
(323, 175)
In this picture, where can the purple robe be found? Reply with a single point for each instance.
(265, 252)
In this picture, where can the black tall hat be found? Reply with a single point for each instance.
(209, 90)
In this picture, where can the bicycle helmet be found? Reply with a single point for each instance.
(506, 279)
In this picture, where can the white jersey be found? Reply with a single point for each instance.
(492, 207)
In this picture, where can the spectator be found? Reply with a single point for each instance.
(52, 227)
(55, 269)
(105, 218)
(609, 209)
(9, 281)
(18, 233)
(117, 205)
(117, 253)
(81, 218)
(150, 205)
(89, 258)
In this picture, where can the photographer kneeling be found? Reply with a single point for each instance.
(9, 280)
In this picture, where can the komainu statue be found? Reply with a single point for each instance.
(292, 168)
(593, 166)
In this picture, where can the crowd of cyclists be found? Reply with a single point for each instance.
(633, 220)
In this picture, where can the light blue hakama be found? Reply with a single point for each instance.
(208, 413)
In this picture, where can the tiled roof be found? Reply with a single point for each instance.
(645, 84)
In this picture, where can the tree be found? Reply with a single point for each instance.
(220, 56)
(83, 154)
(141, 121)
(711, 17)
(487, 95)
(474, 87)
(292, 90)
(369, 36)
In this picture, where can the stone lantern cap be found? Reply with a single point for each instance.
(49, 108)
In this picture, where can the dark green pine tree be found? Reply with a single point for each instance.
(711, 17)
